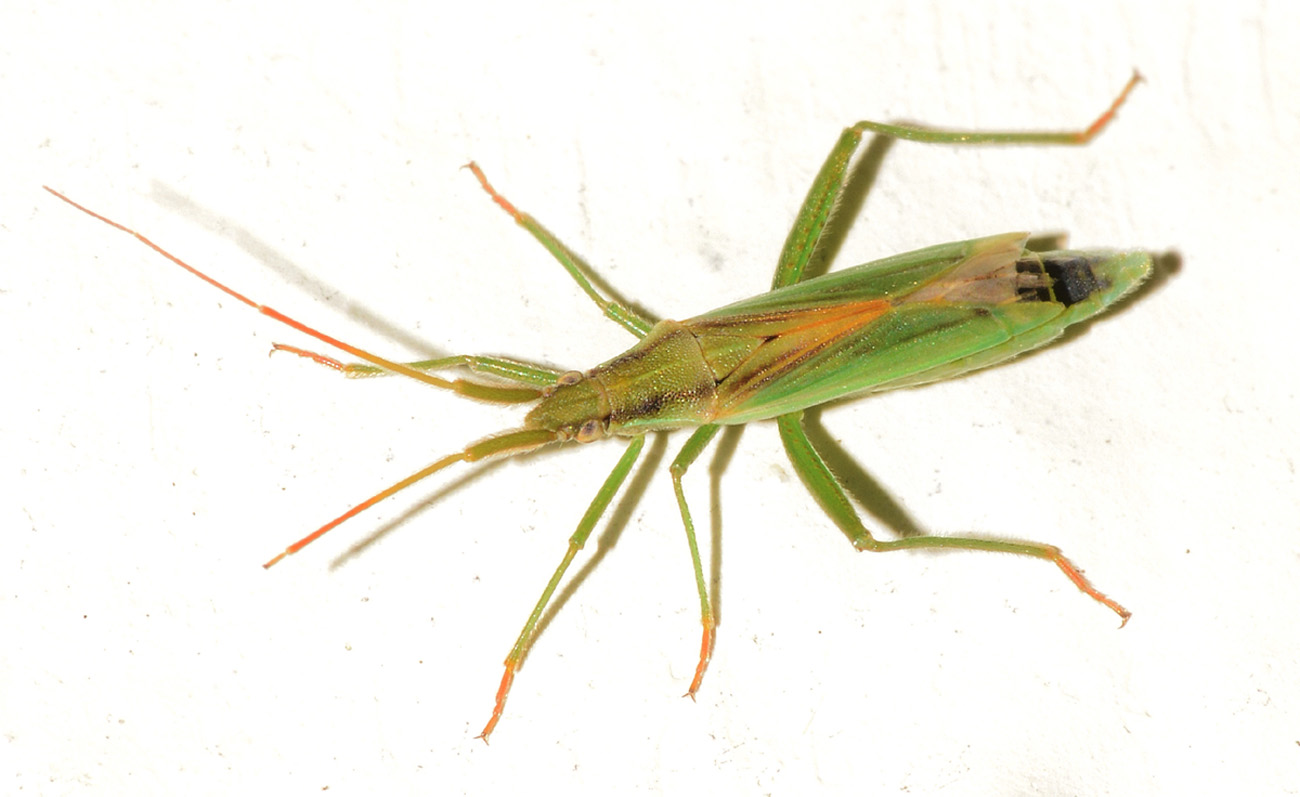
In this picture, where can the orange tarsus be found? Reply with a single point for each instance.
(505, 204)
(328, 362)
(1109, 114)
(1075, 575)
(503, 691)
(706, 654)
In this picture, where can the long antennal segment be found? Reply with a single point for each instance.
(471, 389)
(366, 504)
(507, 444)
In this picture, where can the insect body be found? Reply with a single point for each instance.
(907, 320)
(920, 317)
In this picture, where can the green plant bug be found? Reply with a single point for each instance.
(907, 320)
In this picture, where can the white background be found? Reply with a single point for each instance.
(153, 456)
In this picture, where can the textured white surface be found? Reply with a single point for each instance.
(153, 456)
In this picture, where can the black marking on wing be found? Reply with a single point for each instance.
(1072, 280)
(1032, 290)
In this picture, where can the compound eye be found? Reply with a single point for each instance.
(569, 378)
(589, 431)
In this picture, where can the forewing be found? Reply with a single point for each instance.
(906, 320)
(879, 279)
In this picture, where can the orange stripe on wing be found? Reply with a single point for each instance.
(804, 333)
